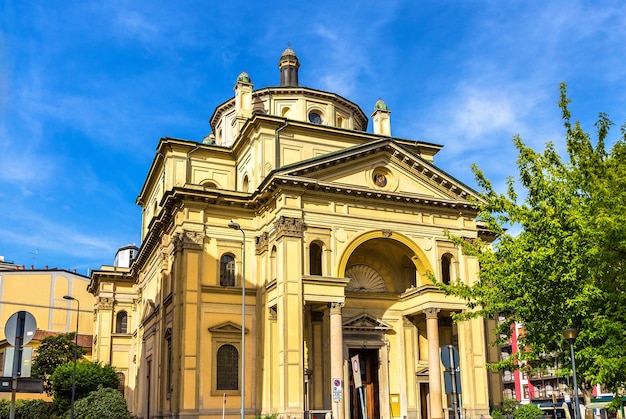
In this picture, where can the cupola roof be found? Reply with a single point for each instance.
(380, 104)
(288, 52)
(244, 77)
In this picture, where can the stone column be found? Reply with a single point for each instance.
(434, 368)
(336, 353)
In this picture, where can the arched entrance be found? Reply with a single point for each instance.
(380, 245)
(382, 266)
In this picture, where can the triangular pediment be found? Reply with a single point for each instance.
(148, 311)
(382, 167)
(227, 328)
(365, 323)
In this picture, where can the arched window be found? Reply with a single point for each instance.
(340, 122)
(227, 271)
(122, 384)
(227, 368)
(170, 366)
(121, 322)
(446, 265)
(315, 259)
(273, 263)
(246, 184)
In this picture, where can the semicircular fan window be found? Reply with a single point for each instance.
(364, 278)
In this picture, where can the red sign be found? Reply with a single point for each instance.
(356, 371)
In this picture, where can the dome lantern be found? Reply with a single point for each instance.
(288, 65)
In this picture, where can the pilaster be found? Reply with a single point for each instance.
(105, 311)
(188, 245)
(290, 316)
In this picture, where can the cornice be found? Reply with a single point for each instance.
(117, 275)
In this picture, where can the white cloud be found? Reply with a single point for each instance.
(481, 112)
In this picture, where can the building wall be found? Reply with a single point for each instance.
(40, 292)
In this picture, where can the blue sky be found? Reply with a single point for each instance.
(87, 89)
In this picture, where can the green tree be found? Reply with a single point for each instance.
(566, 267)
(104, 403)
(89, 376)
(54, 351)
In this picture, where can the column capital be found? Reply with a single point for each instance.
(187, 239)
(289, 226)
(335, 308)
(432, 313)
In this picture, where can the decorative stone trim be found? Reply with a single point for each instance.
(261, 242)
(189, 240)
(290, 227)
(105, 303)
(364, 278)
(273, 313)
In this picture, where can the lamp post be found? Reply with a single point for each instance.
(236, 226)
(570, 335)
(67, 297)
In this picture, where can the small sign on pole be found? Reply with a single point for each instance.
(337, 390)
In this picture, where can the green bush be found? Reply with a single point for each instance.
(5, 409)
(497, 414)
(89, 376)
(509, 405)
(36, 409)
(527, 411)
(104, 403)
(28, 409)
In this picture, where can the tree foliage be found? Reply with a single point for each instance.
(89, 377)
(566, 268)
(54, 351)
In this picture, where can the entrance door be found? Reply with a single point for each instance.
(369, 379)
(424, 398)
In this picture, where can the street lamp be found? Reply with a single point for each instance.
(67, 297)
(236, 226)
(570, 336)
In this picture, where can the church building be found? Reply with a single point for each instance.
(285, 269)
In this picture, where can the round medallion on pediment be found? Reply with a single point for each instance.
(382, 178)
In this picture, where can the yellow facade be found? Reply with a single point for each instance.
(41, 292)
(336, 231)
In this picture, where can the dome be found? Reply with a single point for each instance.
(288, 52)
(380, 105)
(244, 77)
